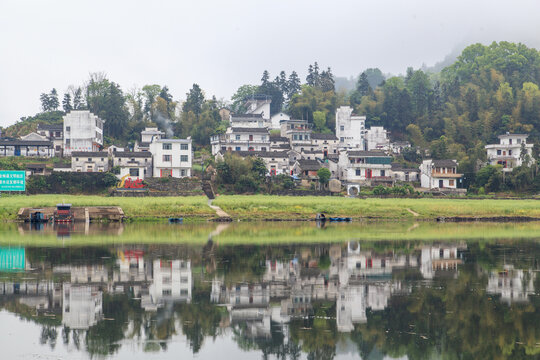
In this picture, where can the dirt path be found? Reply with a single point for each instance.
(415, 214)
(218, 210)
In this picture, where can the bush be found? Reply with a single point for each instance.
(71, 183)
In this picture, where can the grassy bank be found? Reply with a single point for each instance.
(283, 207)
(262, 206)
(140, 208)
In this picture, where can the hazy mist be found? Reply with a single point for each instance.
(223, 44)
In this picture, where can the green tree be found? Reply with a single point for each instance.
(324, 175)
(240, 95)
(194, 100)
(66, 103)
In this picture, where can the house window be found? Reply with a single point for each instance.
(134, 172)
(165, 172)
(68, 128)
(383, 173)
(498, 152)
(358, 173)
(166, 157)
(182, 172)
(237, 137)
(184, 146)
(263, 137)
(237, 148)
(518, 141)
(183, 158)
(342, 139)
(167, 146)
(263, 148)
(451, 182)
(76, 159)
(102, 159)
(89, 159)
(510, 141)
(342, 128)
(509, 152)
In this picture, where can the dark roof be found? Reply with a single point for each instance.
(317, 136)
(90, 153)
(312, 152)
(132, 154)
(25, 142)
(309, 164)
(247, 116)
(144, 144)
(249, 130)
(36, 166)
(264, 154)
(279, 138)
(367, 153)
(258, 97)
(62, 166)
(399, 167)
(444, 163)
(284, 146)
(54, 127)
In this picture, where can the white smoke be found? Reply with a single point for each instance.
(165, 124)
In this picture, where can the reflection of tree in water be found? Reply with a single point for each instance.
(454, 318)
(49, 334)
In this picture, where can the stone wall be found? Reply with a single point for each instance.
(165, 187)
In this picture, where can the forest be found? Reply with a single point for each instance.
(487, 91)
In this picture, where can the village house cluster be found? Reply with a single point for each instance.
(356, 156)
(80, 138)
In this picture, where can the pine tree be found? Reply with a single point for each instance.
(293, 85)
(53, 100)
(77, 99)
(362, 86)
(66, 103)
(265, 78)
(44, 98)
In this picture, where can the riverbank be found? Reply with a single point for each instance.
(268, 207)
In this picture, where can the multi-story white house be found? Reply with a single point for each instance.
(298, 132)
(327, 143)
(137, 165)
(86, 161)
(350, 129)
(508, 152)
(440, 174)
(148, 135)
(82, 306)
(241, 139)
(360, 166)
(83, 131)
(171, 157)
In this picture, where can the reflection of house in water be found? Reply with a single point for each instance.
(439, 260)
(132, 272)
(511, 284)
(82, 306)
(172, 282)
(43, 295)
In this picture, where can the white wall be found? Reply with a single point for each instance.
(179, 168)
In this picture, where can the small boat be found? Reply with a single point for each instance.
(37, 216)
(320, 217)
(175, 220)
(340, 219)
(63, 213)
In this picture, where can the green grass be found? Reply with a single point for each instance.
(282, 207)
(144, 208)
(265, 233)
(264, 206)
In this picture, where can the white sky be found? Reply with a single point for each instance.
(222, 44)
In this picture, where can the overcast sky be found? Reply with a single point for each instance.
(222, 44)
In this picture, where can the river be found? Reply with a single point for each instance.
(270, 290)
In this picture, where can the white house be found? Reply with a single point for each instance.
(86, 161)
(41, 148)
(440, 174)
(241, 139)
(258, 104)
(171, 157)
(364, 166)
(508, 152)
(276, 120)
(137, 165)
(83, 131)
(350, 129)
(513, 285)
(400, 173)
(298, 132)
(82, 306)
(327, 143)
(376, 137)
(54, 133)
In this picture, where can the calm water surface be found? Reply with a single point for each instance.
(279, 291)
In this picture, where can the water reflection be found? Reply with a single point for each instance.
(401, 298)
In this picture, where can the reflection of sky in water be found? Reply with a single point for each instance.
(338, 299)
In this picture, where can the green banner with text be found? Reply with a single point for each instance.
(12, 180)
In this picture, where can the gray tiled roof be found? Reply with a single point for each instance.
(89, 154)
(366, 153)
(132, 154)
(310, 165)
(249, 130)
(444, 163)
(26, 143)
(317, 136)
